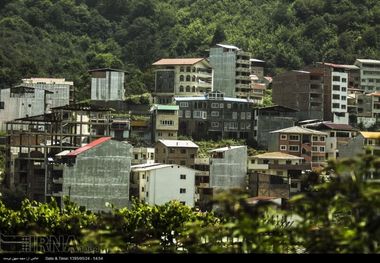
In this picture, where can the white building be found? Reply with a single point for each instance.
(339, 96)
(157, 184)
(369, 74)
(143, 155)
(107, 84)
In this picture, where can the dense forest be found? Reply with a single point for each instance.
(65, 38)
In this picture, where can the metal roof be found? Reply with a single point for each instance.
(277, 155)
(165, 107)
(256, 60)
(299, 130)
(228, 46)
(88, 146)
(331, 126)
(368, 61)
(338, 65)
(371, 135)
(179, 143)
(198, 98)
(223, 149)
(177, 61)
(155, 166)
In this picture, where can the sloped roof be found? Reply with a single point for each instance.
(177, 61)
(362, 60)
(371, 135)
(223, 149)
(88, 146)
(277, 155)
(179, 143)
(331, 126)
(299, 130)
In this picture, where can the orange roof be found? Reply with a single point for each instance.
(376, 94)
(177, 61)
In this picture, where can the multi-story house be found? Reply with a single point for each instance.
(302, 142)
(164, 122)
(107, 85)
(369, 74)
(271, 118)
(181, 152)
(181, 77)
(257, 84)
(368, 106)
(302, 91)
(275, 174)
(142, 155)
(215, 116)
(94, 174)
(157, 184)
(231, 67)
(34, 96)
(337, 135)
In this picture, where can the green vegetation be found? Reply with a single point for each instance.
(338, 216)
(65, 38)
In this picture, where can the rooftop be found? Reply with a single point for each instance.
(277, 155)
(154, 166)
(228, 46)
(223, 149)
(105, 69)
(88, 146)
(177, 61)
(165, 107)
(299, 130)
(179, 143)
(362, 60)
(331, 126)
(339, 65)
(205, 97)
(371, 135)
(256, 60)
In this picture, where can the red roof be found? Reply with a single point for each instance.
(88, 146)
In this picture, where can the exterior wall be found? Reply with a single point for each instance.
(175, 155)
(268, 185)
(165, 125)
(100, 175)
(230, 171)
(353, 148)
(163, 185)
(338, 100)
(301, 91)
(107, 85)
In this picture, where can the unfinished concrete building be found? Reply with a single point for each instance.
(94, 174)
(107, 84)
(33, 142)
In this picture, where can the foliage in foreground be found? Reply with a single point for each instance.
(339, 216)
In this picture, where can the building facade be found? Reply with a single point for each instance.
(143, 155)
(157, 184)
(215, 116)
(231, 70)
(306, 143)
(181, 77)
(107, 84)
(369, 74)
(164, 122)
(180, 152)
(302, 91)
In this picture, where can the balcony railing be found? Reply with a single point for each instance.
(303, 166)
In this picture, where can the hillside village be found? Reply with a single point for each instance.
(271, 132)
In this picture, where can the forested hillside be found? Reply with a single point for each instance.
(65, 38)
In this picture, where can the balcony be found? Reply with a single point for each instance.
(240, 77)
(255, 166)
(202, 173)
(242, 69)
(303, 166)
(243, 86)
(243, 61)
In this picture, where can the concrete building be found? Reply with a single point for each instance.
(228, 168)
(143, 155)
(369, 74)
(302, 142)
(181, 77)
(164, 122)
(285, 170)
(180, 152)
(368, 106)
(141, 130)
(337, 135)
(359, 144)
(271, 118)
(96, 173)
(231, 70)
(107, 84)
(157, 184)
(302, 91)
(34, 96)
(215, 116)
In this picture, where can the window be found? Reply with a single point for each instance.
(343, 89)
(181, 89)
(171, 134)
(336, 97)
(214, 124)
(187, 88)
(284, 137)
(184, 104)
(344, 80)
(182, 162)
(194, 69)
(336, 87)
(215, 113)
(322, 149)
(234, 115)
(182, 69)
(183, 151)
(193, 89)
(214, 105)
(282, 147)
(293, 185)
(228, 105)
(188, 114)
(294, 148)
(336, 105)
(182, 190)
(343, 98)
(147, 178)
(181, 78)
(322, 139)
(314, 149)
(193, 78)
(142, 189)
(197, 114)
(183, 176)
(294, 137)
(315, 138)
(188, 69)
(147, 194)
(242, 115)
(136, 156)
(343, 107)
(167, 122)
(248, 115)
(171, 150)
(336, 78)
(180, 113)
